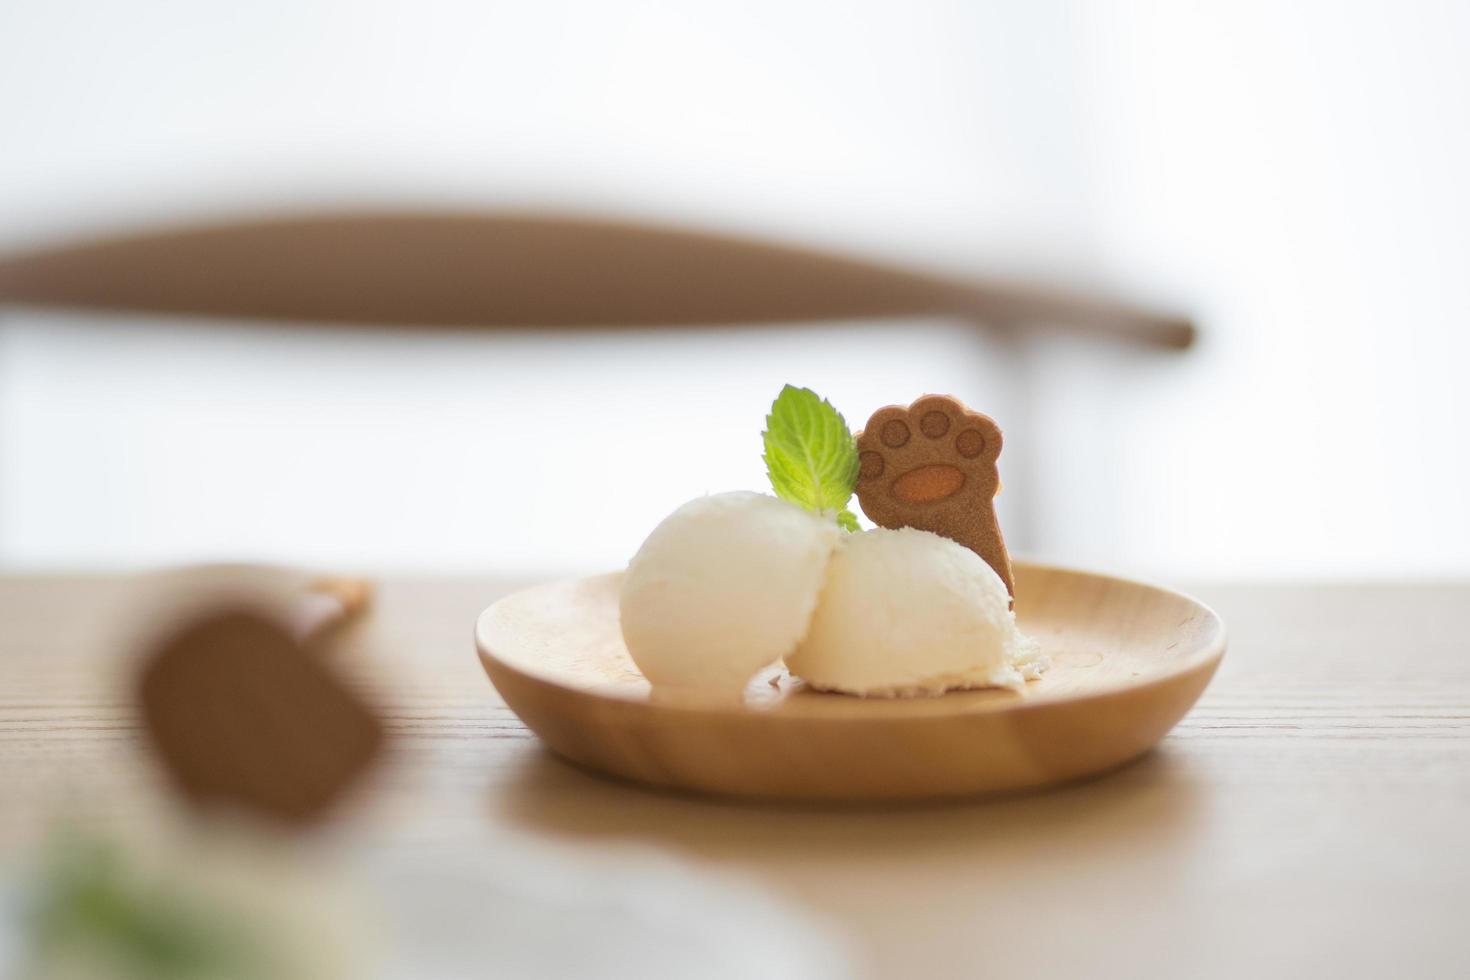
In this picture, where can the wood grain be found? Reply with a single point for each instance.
(1128, 662)
(1306, 819)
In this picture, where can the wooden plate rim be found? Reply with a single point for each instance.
(1206, 658)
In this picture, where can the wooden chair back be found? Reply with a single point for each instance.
(492, 270)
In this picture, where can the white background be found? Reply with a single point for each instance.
(1292, 173)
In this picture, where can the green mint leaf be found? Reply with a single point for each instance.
(811, 457)
(93, 895)
(847, 520)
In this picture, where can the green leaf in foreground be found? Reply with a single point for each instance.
(95, 907)
(811, 457)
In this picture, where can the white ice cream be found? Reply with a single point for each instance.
(908, 612)
(723, 586)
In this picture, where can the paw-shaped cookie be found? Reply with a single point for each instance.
(932, 466)
(242, 714)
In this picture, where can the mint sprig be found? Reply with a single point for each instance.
(94, 897)
(811, 457)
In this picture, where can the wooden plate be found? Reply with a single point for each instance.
(1128, 660)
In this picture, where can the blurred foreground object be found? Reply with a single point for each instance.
(219, 905)
(235, 659)
(228, 903)
(95, 916)
(525, 270)
(244, 709)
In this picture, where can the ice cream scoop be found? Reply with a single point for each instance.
(907, 612)
(725, 585)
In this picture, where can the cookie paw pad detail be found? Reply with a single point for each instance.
(932, 466)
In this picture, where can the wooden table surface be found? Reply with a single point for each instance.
(1311, 817)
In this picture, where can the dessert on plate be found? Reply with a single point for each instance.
(921, 604)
